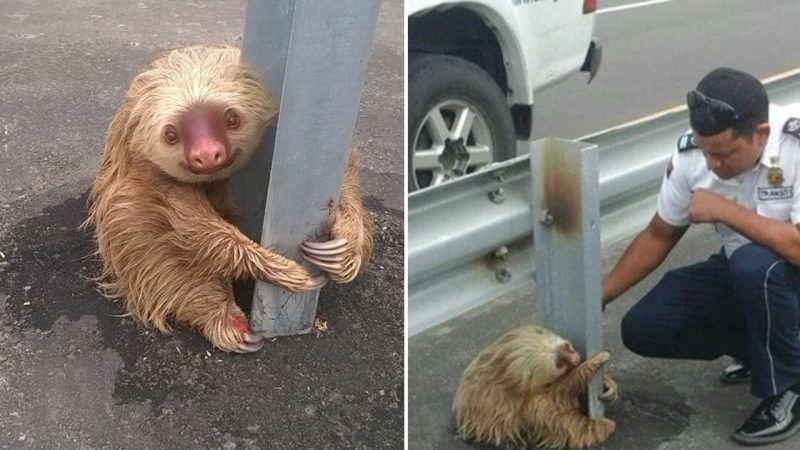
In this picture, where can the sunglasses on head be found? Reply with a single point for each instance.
(720, 111)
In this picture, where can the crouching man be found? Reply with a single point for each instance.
(738, 169)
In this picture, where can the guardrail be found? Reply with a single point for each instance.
(470, 240)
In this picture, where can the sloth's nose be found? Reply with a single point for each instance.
(206, 155)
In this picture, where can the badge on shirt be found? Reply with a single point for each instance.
(776, 190)
(775, 177)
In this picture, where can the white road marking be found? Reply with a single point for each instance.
(781, 75)
(681, 107)
(630, 6)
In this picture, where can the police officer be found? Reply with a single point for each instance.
(738, 169)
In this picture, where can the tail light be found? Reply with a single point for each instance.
(589, 6)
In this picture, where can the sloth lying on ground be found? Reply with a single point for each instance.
(160, 208)
(524, 388)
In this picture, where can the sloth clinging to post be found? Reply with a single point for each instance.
(160, 209)
(524, 387)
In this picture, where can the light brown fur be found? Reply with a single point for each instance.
(512, 392)
(168, 250)
(353, 224)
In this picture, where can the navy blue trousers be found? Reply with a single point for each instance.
(746, 306)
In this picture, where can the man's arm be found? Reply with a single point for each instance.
(782, 238)
(642, 256)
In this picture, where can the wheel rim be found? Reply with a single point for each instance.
(452, 140)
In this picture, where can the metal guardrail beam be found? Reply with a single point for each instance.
(457, 231)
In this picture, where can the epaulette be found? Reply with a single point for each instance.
(792, 126)
(686, 142)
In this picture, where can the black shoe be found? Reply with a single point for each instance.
(775, 419)
(737, 373)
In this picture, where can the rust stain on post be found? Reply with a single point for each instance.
(561, 190)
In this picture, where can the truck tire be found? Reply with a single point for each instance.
(458, 119)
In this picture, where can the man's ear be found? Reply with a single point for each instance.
(761, 134)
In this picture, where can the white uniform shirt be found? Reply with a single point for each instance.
(751, 189)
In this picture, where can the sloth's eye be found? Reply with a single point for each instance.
(171, 135)
(232, 120)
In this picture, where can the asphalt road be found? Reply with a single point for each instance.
(653, 54)
(75, 375)
(664, 404)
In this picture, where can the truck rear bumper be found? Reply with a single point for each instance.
(593, 58)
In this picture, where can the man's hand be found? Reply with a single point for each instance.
(782, 237)
(706, 206)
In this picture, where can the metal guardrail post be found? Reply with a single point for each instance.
(566, 229)
(313, 56)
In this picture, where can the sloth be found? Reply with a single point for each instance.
(160, 210)
(524, 388)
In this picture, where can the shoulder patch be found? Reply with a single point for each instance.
(686, 142)
(792, 126)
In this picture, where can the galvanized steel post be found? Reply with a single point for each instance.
(312, 56)
(566, 233)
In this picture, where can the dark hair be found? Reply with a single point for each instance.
(740, 90)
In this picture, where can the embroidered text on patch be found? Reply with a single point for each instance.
(779, 193)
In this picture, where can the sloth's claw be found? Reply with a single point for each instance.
(327, 256)
(253, 338)
(250, 347)
(330, 267)
(325, 259)
(610, 390)
(317, 282)
(327, 245)
(329, 248)
(251, 342)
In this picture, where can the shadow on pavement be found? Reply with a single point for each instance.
(72, 372)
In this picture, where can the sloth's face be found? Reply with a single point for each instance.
(206, 142)
(201, 114)
(545, 356)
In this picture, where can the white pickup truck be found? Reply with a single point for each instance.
(473, 69)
